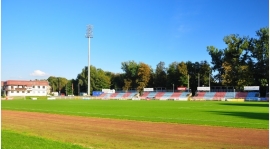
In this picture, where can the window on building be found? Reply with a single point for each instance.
(33, 86)
(12, 87)
(28, 91)
(12, 91)
(18, 91)
(38, 86)
(22, 91)
(43, 86)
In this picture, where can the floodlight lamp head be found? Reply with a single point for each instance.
(89, 31)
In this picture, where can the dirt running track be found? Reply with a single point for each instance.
(117, 134)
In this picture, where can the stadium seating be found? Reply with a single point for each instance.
(166, 96)
(159, 95)
(219, 96)
(119, 95)
(229, 95)
(151, 95)
(113, 95)
(127, 95)
(209, 95)
(248, 96)
(241, 95)
(252, 96)
(145, 95)
(176, 95)
(199, 95)
(184, 95)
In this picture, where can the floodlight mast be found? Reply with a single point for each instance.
(89, 34)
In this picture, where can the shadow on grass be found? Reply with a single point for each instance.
(250, 115)
(247, 104)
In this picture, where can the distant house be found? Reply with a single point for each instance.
(26, 88)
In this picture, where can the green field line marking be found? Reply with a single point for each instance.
(131, 116)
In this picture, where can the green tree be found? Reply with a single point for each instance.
(204, 73)
(57, 84)
(183, 74)
(69, 87)
(131, 73)
(193, 75)
(235, 67)
(98, 79)
(83, 80)
(217, 61)
(117, 80)
(160, 75)
(172, 75)
(53, 82)
(259, 48)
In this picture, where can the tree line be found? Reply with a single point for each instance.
(244, 62)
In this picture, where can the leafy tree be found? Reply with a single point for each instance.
(131, 73)
(234, 58)
(127, 85)
(144, 75)
(117, 80)
(204, 73)
(193, 75)
(217, 61)
(98, 79)
(53, 82)
(259, 49)
(183, 74)
(69, 87)
(57, 84)
(172, 75)
(160, 75)
(83, 80)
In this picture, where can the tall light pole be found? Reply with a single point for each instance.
(89, 34)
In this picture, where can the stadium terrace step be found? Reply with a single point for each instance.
(159, 95)
(219, 96)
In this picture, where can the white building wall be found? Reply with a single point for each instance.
(29, 91)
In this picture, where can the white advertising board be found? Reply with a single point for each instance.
(203, 88)
(148, 89)
(108, 91)
(251, 88)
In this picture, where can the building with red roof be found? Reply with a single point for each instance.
(26, 88)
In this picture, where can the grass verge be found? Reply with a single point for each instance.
(15, 140)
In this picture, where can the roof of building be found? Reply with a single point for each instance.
(26, 83)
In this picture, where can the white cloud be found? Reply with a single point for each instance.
(38, 73)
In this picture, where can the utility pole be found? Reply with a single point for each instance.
(188, 81)
(89, 34)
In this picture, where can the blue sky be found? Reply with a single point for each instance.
(42, 38)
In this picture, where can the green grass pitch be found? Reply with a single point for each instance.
(212, 113)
